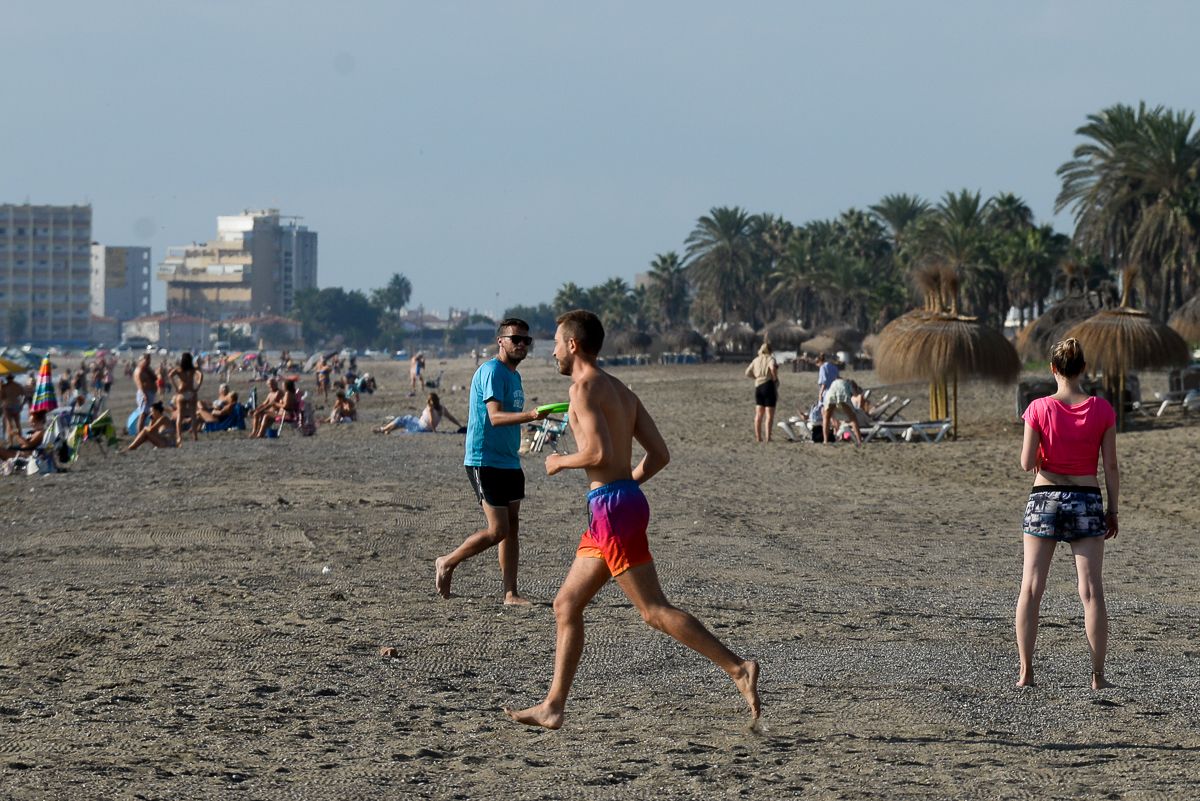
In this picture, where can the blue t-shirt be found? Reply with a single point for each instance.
(827, 374)
(487, 445)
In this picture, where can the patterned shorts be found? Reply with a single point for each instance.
(1065, 513)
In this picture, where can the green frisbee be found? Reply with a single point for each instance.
(554, 408)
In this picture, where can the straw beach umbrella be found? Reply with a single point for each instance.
(785, 334)
(1186, 320)
(685, 339)
(1116, 341)
(1036, 339)
(939, 346)
(43, 389)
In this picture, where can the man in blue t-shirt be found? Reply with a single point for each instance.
(493, 464)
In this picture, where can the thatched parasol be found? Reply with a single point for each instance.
(938, 345)
(870, 345)
(733, 336)
(1116, 341)
(631, 342)
(819, 344)
(1186, 320)
(684, 339)
(785, 334)
(845, 337)
(1036, 339)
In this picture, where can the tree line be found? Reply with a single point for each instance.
(1132, 186)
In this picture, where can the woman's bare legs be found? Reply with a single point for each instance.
(1089, 564)
(1038, 553)
(758, 420)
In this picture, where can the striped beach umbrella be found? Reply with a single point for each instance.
(43, 389)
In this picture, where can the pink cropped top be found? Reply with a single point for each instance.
(1071, 435)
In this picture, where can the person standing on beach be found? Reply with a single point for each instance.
(146, 381)
(605, 418)
(415, 369)
(494, 420)
(765, 372)
(827, 373)
(1065, 434)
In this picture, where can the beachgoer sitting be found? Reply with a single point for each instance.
(431, 417)
(155, 429)
(267, 405)
(287, 404)
(344, 410)
(221, 401)
(220, 409)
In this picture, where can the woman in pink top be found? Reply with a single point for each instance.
(1065, 435)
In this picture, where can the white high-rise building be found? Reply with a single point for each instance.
(45, 269)
(120, 282)
(257, 264)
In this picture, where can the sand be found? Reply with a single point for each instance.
(206, 623)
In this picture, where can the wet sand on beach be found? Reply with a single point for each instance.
(205, 623)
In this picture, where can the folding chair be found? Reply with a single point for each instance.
(548, 430)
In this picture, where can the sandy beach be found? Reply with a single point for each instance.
(205, 623)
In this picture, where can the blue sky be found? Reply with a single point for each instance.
(491, 151)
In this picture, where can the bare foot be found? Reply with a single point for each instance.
(1025, 680)
(747, 685)
(512, 599)
(389, 652)
(1100, 683)
(441, 579)
(540, 715)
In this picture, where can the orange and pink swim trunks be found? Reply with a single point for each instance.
(618, 515)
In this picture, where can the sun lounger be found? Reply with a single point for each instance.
(930, 431)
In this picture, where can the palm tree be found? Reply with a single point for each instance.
(571, 296)
(1134, 189)
(668, 291)
(1009, 213)
(899, 214)
(720, 258)
(395, 295)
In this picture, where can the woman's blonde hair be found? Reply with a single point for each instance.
(1067, 358)
(765, 350)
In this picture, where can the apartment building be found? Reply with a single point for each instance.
(45, 273)
(255, 266)
(120, 281)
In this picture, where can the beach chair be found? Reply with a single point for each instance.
(100, 431)
(301, 420)
(549, 431)
(930, 431)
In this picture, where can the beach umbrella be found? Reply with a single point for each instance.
(1117, 341)
(785, 334)
(845, 337)
(43, 389)
(1186, 320)
(732, 336)
(9, 367)
(684, 339)
(1038, 337)
(819, 344)
(941, 348)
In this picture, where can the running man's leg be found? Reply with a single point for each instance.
(509, 553)
(1089, 564)
(585, 578)
(496, 531)
(642, 587)
(1038, 553)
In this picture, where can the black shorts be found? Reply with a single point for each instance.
(766, 395)
(497, 486)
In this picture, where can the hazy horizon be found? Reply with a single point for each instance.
(492, 153)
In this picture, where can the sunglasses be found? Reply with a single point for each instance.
(518, 339)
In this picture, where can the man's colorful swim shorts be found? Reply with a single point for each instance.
(617, 519)
(1065, 513)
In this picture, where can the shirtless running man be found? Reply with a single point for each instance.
(605, 418)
